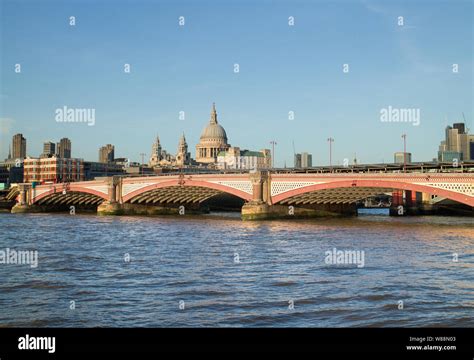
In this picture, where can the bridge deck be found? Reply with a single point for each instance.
(278, 187)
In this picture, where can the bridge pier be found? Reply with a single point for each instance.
(413, 202)
(257, 208)
(111, 206)
(25, 209)
(261, 208)
(406, 202)
(24, 205)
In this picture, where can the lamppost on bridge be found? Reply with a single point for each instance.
(143, 159)
(273, 143)
(330, 140)
(404, 136)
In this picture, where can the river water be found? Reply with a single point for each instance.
(217, 270)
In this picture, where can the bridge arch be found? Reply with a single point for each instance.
(57, 189)
(188, 183)
(393, 184)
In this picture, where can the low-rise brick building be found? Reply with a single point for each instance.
(53, 169)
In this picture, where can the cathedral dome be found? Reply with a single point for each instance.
(213, 140)
(213, 131)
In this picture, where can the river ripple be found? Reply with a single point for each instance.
(192, 259)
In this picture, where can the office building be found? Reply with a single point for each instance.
(457, 144)
(49, 149)
(306, 160)
(297, 163)
(400, 157)
(18, 147)
(107, 153)
(63, 148)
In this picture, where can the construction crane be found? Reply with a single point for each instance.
(294, 152)
(467, 129)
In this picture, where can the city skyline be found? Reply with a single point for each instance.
(300, 73)
(109, 149)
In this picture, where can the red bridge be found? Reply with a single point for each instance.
(264, 194)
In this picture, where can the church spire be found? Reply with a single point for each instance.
(213, 114)
(182, 141)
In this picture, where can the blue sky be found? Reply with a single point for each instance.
(282, 68)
